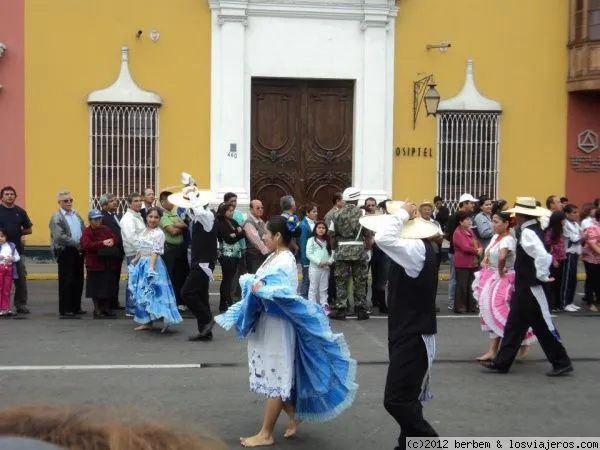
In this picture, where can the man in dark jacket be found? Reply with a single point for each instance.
(109, 204)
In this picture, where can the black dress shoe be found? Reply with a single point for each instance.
(69, 315)
(560, 371)
(119, 308)
(207, 329)
(201, 338)
(81, 312)
(109, 315)
(23, 310)
(362, 315)
(337, 314)
(491, 365)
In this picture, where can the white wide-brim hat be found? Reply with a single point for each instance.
(416, 228)
(528, 207)
(182, 199)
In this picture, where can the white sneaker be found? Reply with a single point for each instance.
(576, 307)
(571, 308)
(182, 308)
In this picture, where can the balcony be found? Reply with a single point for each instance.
(584, 46)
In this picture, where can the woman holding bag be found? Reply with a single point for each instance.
(102, 258)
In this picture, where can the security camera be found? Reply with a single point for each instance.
(139, 33)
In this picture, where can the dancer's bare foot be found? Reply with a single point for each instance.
(143, 328)
(486, 357)
(523, 351)
(258, 440)
(290, 431)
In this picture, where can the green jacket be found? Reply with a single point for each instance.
(348, 236)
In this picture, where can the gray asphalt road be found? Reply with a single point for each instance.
(468, 402)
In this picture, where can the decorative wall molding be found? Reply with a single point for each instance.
(375, 13)
(124, 89)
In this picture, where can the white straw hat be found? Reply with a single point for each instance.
(416, 228)
(528, 206)
(182, 199)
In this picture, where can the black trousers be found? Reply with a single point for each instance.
(408, 366)
(20, 298)
(195, 295)
(241, 269)
(70, 280)
(229, 267)
(554, 289)
(253, 261)
(463, 297)
(525, 312)
(116, 274)
(591, 283)
(175, 258)
(592, 273)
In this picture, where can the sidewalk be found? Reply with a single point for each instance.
(48, 270)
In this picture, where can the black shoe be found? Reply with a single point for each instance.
(69, 315)
(119, 308)
(81, 312)
(109, 315)
(337, 314)
(560, 371)
(362, 315)
(201, 338)
(207, 329)
(491, 365)
(23, 310)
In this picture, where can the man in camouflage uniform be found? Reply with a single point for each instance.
(348, 240)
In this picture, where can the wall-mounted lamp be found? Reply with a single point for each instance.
(441, 46)
(2, 48)
(424, 91)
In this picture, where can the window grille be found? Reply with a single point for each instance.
(468, 149)
(123, 150)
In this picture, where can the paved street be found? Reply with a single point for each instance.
(215, 395)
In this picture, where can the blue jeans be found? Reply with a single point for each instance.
(303, 291)
(129, 302)
(452, 283)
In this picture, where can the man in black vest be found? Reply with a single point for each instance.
(204, 255)
(412, 321)
(109, 204)
(528, 306)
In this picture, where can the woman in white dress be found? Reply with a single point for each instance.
(271, 348)
(494, 285)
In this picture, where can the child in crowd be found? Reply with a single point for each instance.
(573, 236)
(8, 256)
(318, 252)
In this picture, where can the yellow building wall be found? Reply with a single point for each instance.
(520, 59)
(72, 48)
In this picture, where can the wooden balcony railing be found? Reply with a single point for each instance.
(584, 46)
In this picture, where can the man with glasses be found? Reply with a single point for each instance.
(66, 228)
(257, 251)
(17, 224)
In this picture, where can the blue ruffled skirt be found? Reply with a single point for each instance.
(324, 373)
(153, 293)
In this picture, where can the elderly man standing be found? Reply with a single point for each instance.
(349, 240)
(175, 255)
(254, 227)
(17, 224)
(132, 227)
(109, 204)
(66, 228)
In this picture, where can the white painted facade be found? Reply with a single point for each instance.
(343, 39)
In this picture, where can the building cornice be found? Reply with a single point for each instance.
(370, 13)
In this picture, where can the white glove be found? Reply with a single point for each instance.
(190, 191)
(187, 179)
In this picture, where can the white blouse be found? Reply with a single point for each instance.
(493, 251)
(6, 251)
(152, 241)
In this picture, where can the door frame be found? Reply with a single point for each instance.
(291, 40)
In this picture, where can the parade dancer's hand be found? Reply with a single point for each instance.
(256, 286)
(410, 208)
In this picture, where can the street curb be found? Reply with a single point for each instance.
(217, 277)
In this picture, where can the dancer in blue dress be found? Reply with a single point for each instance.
(149, 282)
(293, 357)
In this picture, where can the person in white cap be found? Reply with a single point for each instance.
(412, 323)
(529, 306)
(466, 203)
(349, 241)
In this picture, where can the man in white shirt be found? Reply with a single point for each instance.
(132, 227)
